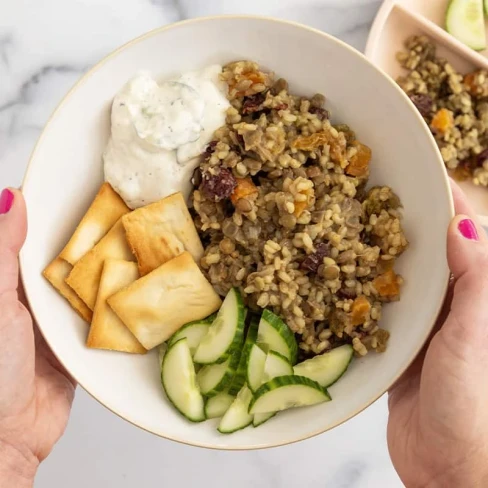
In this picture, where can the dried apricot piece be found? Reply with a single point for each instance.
(244, 188)
(309, 143)
(443, 121)
(319, 139)
(359, 164)
(360, 310)
(387, 284)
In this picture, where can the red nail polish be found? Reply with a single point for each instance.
(6, 201)
(468, 230)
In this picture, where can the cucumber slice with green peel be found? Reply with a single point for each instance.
(240, 377)
(225, 333)
(179, 382)
(286, 392)
(237, 416)
(465, 21)
(194, 332)
(274, 366)
(275, 334)
(255, 367)
(215, 378)
(327, 368)
(216, 406)
(259, 418)
(485, 4)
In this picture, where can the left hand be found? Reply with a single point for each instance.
(36, 393)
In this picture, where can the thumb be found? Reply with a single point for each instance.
(13, 229)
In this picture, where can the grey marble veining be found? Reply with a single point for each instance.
(44, 48)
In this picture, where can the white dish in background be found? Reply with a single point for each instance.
(398, 19)
(65, 172)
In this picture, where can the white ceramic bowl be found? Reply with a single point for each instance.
(66, 170)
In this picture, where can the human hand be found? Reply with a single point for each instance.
(438, 423)
(36, 393)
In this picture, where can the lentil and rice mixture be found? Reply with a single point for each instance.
(282, 208)
(455, 107)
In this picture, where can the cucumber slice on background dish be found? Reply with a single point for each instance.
(237, 416)
(465, 21)
(275, 334)
(215, 378)
(217, 405)
(486, 7)
(194, 332)
(255, 367)
(327, 368)
(274, 366)
(225, 333)
(240, 377)
(286, 392)
(179, 382)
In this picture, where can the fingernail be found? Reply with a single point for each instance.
(6, 201)
(468, 229)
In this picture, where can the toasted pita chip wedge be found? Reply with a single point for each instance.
(161, 231)
(105, 210)
(56, 273)
(86, 273)
(157, 305)
(107, 331)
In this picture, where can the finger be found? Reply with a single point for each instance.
(467, 254)
(463, 207)
(13, 229)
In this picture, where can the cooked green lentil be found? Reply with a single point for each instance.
(282, 208)
(454, 105)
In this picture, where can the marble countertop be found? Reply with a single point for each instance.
(44, 48)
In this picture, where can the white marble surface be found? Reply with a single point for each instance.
(44, 47)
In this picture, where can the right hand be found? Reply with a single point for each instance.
(438, 423)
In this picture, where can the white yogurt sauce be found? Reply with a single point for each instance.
(158, 130)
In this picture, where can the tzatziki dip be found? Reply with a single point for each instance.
(159, 130)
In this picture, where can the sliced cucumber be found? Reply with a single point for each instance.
(274, 366)
(179, 382)
(240, 377)
(286, 392)
(255, 367)
(275, 334)
(216, 406)
(161, 352)
(225, 333)
(327, 368)
(486, 7)
(465, 21)
(194, 332)
(215, 378)
(237, 416)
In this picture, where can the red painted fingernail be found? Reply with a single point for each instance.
(468, 230)
(6, 201)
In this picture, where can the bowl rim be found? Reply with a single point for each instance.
(329, 38)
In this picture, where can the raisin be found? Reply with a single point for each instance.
(321, 113)
(423, 103)
(253, 103)
(313, 261)
(209, 150)
(281, 106)
(220, 186)
(482, 157)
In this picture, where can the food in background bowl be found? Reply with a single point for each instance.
(454, 106)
